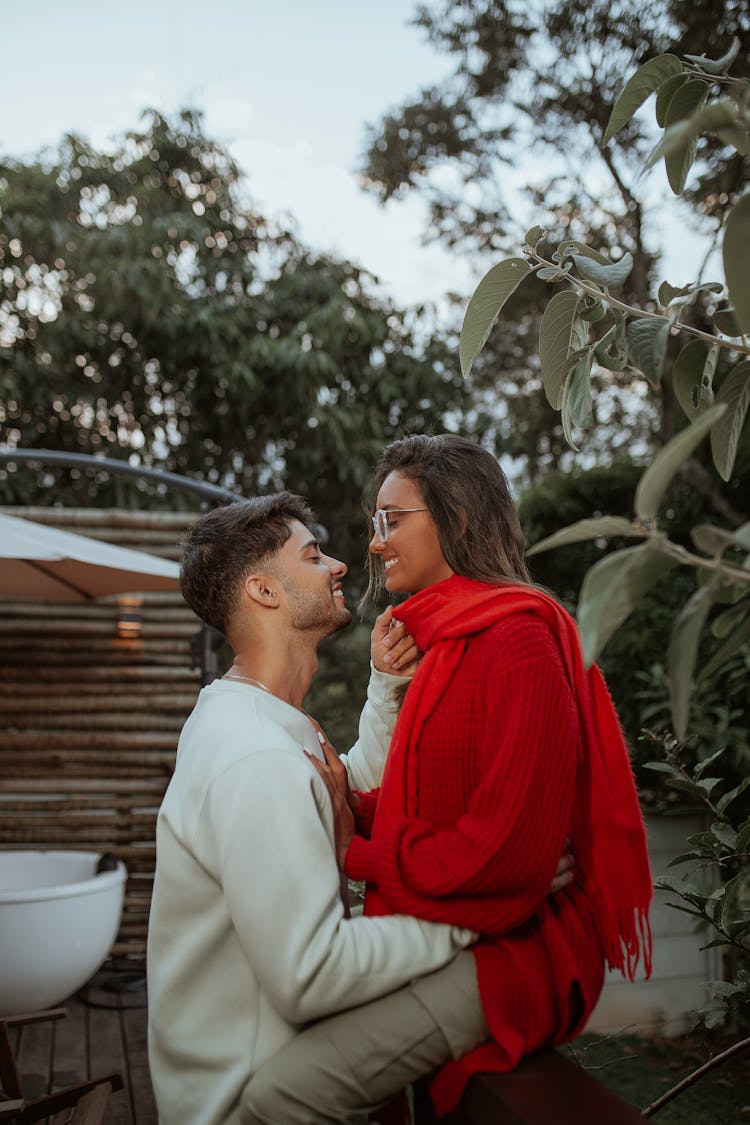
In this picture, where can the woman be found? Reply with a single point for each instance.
(505, 746)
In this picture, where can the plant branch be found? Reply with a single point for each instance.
(691, 1079)
(631, 310)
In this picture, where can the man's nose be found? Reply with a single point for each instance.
(337, 568)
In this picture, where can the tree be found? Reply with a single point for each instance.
(529, 94)
(147, 311)
(586, 319)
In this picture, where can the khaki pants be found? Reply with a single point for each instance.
(342, 1068)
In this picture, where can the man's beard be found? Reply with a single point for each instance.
(319, 614)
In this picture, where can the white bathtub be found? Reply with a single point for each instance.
(58, 922)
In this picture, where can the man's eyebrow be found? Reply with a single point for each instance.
(310, 543)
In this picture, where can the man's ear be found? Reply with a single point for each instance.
(260, 588)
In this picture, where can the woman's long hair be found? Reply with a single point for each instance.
(467, 495)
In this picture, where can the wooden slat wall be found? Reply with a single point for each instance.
(89, 722)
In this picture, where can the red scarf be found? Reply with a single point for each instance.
(606, 832)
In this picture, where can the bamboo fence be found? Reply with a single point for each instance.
(89, 721)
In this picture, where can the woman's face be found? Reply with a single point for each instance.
(411, 556)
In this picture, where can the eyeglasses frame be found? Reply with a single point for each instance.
(379, 520)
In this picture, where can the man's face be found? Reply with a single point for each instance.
(311, 583)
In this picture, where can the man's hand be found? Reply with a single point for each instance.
(333, 772)
(564, 874)
(392, 648)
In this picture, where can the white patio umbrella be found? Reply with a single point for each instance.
(47, 564)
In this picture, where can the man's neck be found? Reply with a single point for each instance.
(284, 670)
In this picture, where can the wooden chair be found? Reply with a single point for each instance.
(85, 1103)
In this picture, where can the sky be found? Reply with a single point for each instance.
(288, 85)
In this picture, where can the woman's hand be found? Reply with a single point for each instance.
(333, 772)
(392, 648)
(564, 874)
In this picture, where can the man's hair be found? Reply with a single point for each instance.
(226, 544)
(467, 495)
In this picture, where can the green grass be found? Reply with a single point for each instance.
(641, 1070)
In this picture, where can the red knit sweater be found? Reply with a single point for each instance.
(504, 734)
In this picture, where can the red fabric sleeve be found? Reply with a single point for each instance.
(368, 802)
(493, 868)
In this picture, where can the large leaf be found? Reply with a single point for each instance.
(725, 434)
(485, 306)
(601, 528)
(655, 480)
(682, 654)
(612, 589)
(644, 82)
(571, 248)
(647, 346)
(612, 275)
(687, 374)
(576, 398)
(685, 102)
(736, 253)
(666, 92)
(561, 333)
(709, 118)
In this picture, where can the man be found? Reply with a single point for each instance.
(249, 941)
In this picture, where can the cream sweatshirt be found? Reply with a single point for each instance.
(248, 938)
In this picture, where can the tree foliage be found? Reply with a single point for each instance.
(516, 129)
(148, 312)
(588, 320)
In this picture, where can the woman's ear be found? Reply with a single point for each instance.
(463, 521)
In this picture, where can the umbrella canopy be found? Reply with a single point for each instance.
(47, 564)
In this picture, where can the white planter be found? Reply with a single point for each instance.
(666, 1003)
(58, 922)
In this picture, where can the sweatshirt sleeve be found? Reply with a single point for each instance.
(488, 871)
(271, 838)
(366, 759)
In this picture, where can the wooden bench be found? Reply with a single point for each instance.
(84, 1103)
(545, 1089)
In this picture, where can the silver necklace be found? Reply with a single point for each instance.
(247, 680)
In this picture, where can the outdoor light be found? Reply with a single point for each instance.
(129, 619)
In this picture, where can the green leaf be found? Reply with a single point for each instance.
(710, 539)
(733, 644)
(665, 93)
(709, 118)
(534, 236)
(690, 97)
(668, 294)
(561, 332)
(657, 477)
(716, 66)
(736, 136)
(602, 528)
(709, 761)
(576, 407)
(640, 86)
(682, 654)
(725, 434)
(591, 308)
(611, 590)
(725, 801)
(647, 346)
(571, 248)
(611, 276)
(725, 834)
(612, 351)
(723, 625)
(687, 373)
(736, 254)
(485, 306)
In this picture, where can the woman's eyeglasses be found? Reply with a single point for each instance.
(381, 516)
